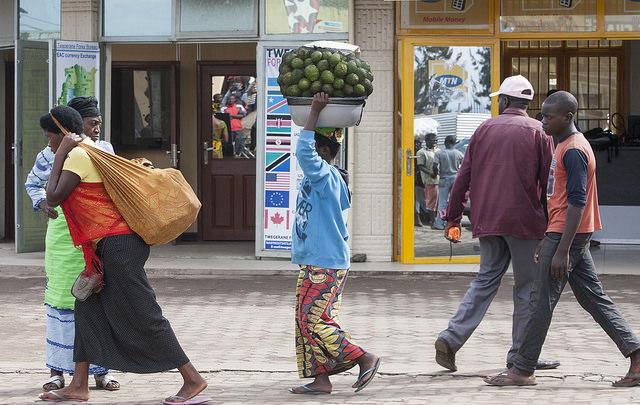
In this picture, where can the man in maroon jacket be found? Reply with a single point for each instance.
(505, 168)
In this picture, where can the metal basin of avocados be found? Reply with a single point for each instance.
(340, 112)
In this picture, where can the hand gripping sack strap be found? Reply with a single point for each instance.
(158, 204)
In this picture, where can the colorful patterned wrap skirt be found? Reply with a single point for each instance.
(322, 346)
(62, 262)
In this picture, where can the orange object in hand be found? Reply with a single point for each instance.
(453, 234)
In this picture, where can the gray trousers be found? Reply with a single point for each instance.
(588, 290)
(496, 252)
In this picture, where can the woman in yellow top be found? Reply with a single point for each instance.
(220, 136)
(120, 327)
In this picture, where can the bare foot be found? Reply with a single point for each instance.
(192, 387)
(318, 386)
(69, 393)
(632, 378)
(367, 363)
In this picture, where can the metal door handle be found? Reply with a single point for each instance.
(409, 158)
(205, 157)
(174, 152)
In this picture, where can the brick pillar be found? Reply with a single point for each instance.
(79, 20)
(373, 156)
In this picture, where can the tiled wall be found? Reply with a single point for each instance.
(372, 212)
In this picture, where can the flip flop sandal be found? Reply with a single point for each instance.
(505, 379)
(629, 380)
(373, 370)
(178, 400)
(308, 391)
(58, 397)
(107, 382)
(56, 380)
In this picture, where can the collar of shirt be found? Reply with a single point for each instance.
(516, 111)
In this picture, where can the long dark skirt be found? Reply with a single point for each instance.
(122, 327)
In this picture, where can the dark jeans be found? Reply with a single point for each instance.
(588, 291)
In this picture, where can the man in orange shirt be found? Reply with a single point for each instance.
(564, 254)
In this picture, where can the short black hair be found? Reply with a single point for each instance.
(552, 91)
(69, 118)
(563, 101)
(334, 147)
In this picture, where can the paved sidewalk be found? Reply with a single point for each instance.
(237, 259)
(239, 332)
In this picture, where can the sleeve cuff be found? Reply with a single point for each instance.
(36, 205)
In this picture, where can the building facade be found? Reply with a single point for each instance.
(162, 63)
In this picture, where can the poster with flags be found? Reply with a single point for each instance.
(281, 173)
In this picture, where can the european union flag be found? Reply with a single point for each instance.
(276, 199)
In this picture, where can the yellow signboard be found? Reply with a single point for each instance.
(622, 15)
(445, 14)
(548, 15)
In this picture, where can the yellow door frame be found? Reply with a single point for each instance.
(407, 44)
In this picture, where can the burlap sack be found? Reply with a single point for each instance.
(158, 204)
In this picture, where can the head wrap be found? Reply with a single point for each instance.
(334, 134)
(86, 106)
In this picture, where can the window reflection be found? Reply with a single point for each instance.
(126, 18)
(141, 113)
(306, 16)
(39, 19)
(451, 99)
(209, 16)
(234, 113)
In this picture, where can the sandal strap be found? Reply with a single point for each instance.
(55, 379)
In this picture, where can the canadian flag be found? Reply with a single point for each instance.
(277, 218)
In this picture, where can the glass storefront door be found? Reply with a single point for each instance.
(445, 97)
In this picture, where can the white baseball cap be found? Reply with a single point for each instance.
(515, 86)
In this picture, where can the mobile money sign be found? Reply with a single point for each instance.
(281, 176)
(77, 70)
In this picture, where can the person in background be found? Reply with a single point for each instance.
(216, 103)
(62, 261)
(418, 191)
(220, 136)
(506, 168)
(563, 256)
(236, 112)
(321, 250)
(250, 97)
(449, 160)
(427, 166)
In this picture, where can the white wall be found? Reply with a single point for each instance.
(373, 157)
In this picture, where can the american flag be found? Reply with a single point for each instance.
(277, 181)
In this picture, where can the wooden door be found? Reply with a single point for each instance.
(228, 183)
(9, 215)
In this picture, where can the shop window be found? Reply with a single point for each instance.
(126, 18)
(446, 15)
(622, 15)
(548, 16)
(542, 72)
(142, 113)
(306, 16)
(218, 16)
(39, 19)
(451, 98)
(7, 23)
(233, 137)
(593, 80)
